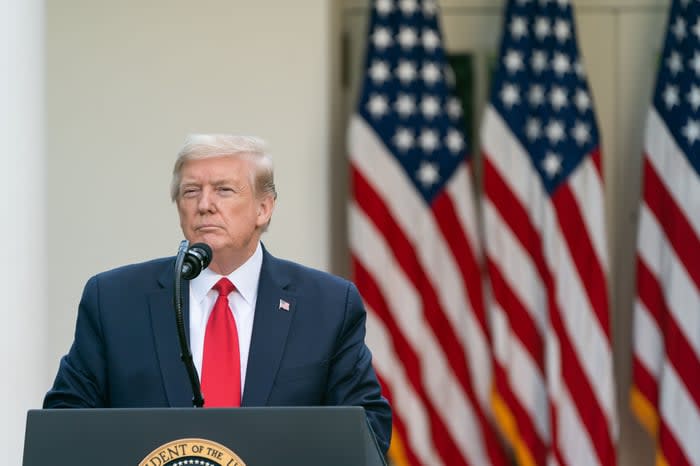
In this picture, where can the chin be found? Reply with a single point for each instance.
(208, 237)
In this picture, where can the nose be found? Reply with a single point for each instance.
(205, 203)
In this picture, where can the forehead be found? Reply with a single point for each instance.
(214, 169)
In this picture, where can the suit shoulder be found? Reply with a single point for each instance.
(305, 274)
(136, 271)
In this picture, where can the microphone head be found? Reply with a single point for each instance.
(204, 251)
(197, 258)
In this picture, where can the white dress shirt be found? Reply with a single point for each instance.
(241, 301)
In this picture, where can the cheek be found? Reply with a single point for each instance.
(242, 210)
(185, 217)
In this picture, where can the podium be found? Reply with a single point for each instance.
(266, 436)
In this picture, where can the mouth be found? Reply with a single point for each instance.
(206, 228)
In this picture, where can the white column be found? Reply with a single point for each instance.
(23, 260)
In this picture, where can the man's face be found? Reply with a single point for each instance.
(218, 206)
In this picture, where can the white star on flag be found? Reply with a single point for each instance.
(405, 105)
(407, 37)
(428, 174)
(513, 61)
(552, 164)
(539, 61)
(533, 128)
(408, 7)
(518, 28)
(403, 139)
(696, 29)
(555, 132)
(431, 41)
(384, 7)
(542, 28)
(581, 133)
(695, 63)
(692, 131)
(583, 102)
(674, 63)
(454, 108)
(430, 73)
(406, 72)
(428, 141)
(379, 72)
(679, 29)
(381, 38)
(377, 105)
(536, 95)
(671, 96)
(561, 64)
(557, 98)
(455, 141)
(429, 8)
(430, 107)
(694, 97)
(562, 30)
(510, 95)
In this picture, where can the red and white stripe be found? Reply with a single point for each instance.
(417, 269)
(666, 363)
(547, 263)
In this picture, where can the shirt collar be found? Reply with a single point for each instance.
(245, 278)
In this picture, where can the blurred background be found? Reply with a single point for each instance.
(97, 98)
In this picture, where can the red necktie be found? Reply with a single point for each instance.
(221, 362)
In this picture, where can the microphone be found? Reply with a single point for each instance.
(197, 258)
(189, 262)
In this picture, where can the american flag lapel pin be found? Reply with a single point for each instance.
(284, 305)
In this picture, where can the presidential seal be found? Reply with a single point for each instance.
(192, 451)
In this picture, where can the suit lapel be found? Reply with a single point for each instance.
(161, 308)
(270, 327)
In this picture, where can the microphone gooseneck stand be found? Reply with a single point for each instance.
(185, 354)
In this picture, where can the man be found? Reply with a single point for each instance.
(299, 333)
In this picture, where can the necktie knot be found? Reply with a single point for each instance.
(224, 287)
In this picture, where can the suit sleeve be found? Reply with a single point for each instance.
(352, 380)
(80, 382)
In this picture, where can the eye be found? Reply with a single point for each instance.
(189, 192)
(224, 190)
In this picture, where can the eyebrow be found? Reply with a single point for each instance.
(215, 183)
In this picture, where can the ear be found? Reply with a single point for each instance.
(265, 207)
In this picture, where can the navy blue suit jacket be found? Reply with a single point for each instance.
(126, 352)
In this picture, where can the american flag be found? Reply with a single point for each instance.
(546, 245)
(666, 362)
(414, 243)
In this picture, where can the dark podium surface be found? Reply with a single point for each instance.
(270, 436)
